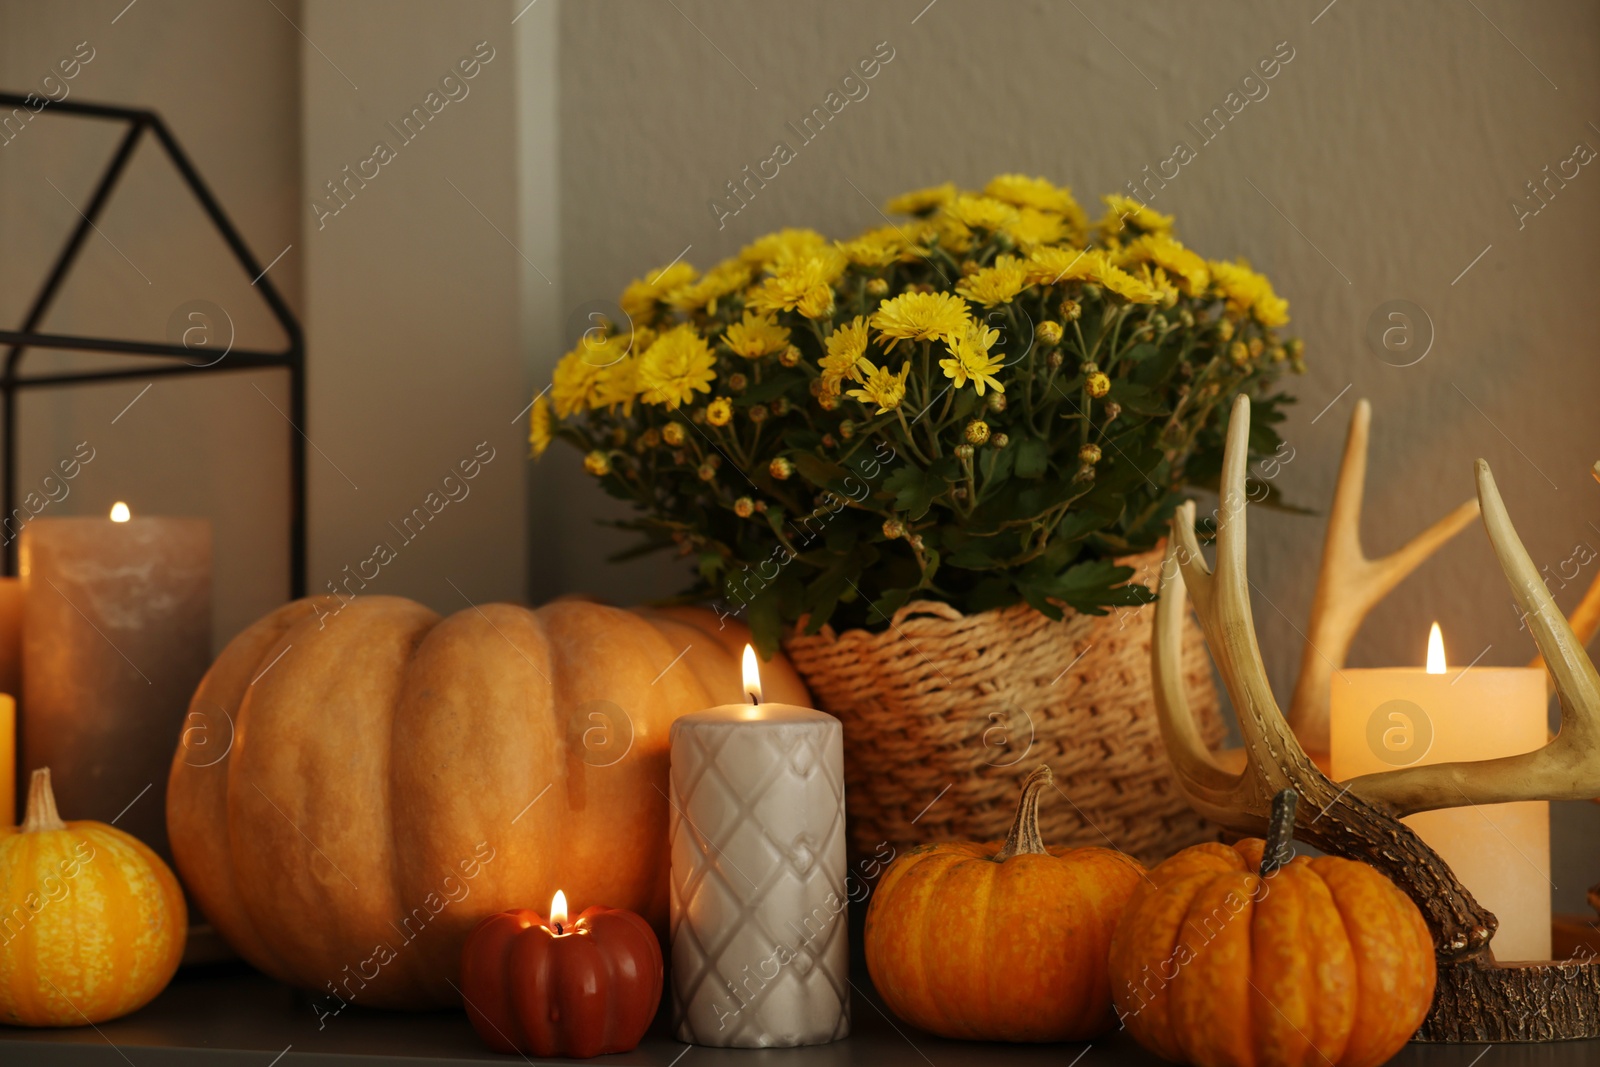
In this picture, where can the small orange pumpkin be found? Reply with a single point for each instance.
(1000, 942)
(1224, 961)
(92, 923)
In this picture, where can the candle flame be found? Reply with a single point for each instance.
(558, 910)
(120, 512)
(1435, 651)
(752, 675)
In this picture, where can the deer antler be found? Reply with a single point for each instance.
(1585, 619)
(1475, 1000)
(1568, 768)
(1349, 584)
(1330, 817)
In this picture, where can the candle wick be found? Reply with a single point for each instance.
(559, 930)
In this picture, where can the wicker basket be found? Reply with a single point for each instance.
(944, 713)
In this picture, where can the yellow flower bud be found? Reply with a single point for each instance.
(744, 507)
(1049, 332)
(1000, 440)
(877, 287)
(780, 468)
(977, 432)
(1070, 310)
(672, 433)
(720, 411)
(597, 463)
(1089, 454)
(1225, 330)
(1239, 353)
(1099, 385)
(790, 357)
(893, 528)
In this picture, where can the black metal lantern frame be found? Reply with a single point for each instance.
(180, 358)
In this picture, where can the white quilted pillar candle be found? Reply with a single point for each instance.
(760, 950)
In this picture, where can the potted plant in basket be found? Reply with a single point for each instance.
(928, 461)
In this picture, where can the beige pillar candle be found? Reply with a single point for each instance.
(116, 636)
(760, 949)
(8, 760)
(11, 688)
(1383, 719)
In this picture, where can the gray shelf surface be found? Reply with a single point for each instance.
(232, 1017)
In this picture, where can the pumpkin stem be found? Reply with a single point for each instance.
(1024, 836)
(1280, 831)
(41, 813)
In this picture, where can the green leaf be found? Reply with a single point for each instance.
(771, 389)
(822, 473)
(1139, 399)
(1032, 457)
(914, 489)
(1139, 353)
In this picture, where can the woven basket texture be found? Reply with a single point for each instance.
(945, 713)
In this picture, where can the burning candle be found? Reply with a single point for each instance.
(557, 987)
(116, 635)
(760, 951)
(1399, 717)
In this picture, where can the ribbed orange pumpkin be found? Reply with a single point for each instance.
(1000, 942)
(1323, 962)
(92, 923)
(394, 777)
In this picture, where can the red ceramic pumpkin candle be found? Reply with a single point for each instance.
(557, 987)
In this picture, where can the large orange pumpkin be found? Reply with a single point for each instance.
(1000, 942)
(1323, 963)
(360, 783)
(92, 923)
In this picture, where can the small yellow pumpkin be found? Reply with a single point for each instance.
(92, 922)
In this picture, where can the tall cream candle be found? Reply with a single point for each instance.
(1398, 717)
(116, 636)
(760, 950)
(11, 687)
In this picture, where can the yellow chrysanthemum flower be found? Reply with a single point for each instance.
(1157, 281)
(720, 411)
(882, 387)
(1033, 228)
(1053, 266)
(676, 367)
(1126, 217)
(756, 335)
(619, 386)
(970, 359)
(875, 248)
(1249, 293)
(579, 379)
(803, 284)
(725, 279)
(921, 317)
(922, 201)
(1042, 197)
(1188, 270)
(639, 299)
(981, 212)
(847, 344)
(788, 243)
(1023, 191)
(539, 435)
(996, 284)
